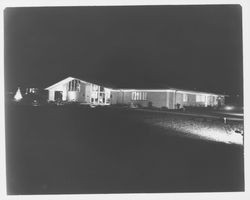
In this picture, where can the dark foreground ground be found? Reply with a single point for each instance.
(53, 150)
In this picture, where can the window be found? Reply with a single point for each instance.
(133, 95)
(74, 85)
(139, 96)
(200, 98)
(95, 87)
(185, 97)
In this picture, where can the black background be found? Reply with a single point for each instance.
(190, 47)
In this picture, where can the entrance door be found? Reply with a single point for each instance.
(58, 95)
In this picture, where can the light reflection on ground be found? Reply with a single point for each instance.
(198, 128)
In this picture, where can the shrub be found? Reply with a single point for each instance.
(150, 104)
(164, 108)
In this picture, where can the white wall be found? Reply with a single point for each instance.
(62, 88)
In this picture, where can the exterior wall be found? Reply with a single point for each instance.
(191, 100)
(167, 99)
(72, 96)
(83, 94)
(179, 100)
(115, 97)
(121, 97)
(208, 100)
(162, 99)
(171, 100)
(127, 97)
(97, 94)
(92, 93)
(51, 95)
(158, 99)
(62, 88)
(88, 93)
(142, 103)
(107, 95)
(222, 100)
(78, 96)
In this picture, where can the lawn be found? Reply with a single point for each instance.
(195, 126)
(62, 150)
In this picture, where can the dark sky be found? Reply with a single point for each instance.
(130, 47)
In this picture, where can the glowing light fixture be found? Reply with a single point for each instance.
(229, 107)
(18, 96)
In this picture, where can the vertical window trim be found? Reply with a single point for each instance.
(133, 95)
(78, 86)
(137, 95)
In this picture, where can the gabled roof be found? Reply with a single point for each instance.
(66, 80)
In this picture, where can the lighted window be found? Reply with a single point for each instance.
(74, 85)
(133, 95)
(185, 97)
(139, 96)
(95, 87)
(200, 98)
(78, 85)
(143, 95)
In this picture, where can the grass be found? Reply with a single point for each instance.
(209, 129)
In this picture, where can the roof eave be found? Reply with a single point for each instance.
(64, 81)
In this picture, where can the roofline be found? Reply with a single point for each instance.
(169, 90)
(64, 80)
(69, 79)
(200, 92)
(142, 90)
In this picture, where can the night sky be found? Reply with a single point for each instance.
(126, 47)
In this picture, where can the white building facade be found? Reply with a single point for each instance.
(168, 98)
(76, 90)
